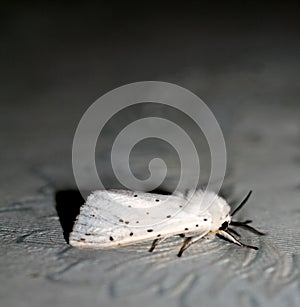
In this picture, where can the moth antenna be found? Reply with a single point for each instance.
(247, 227)
(239, 207)
(230, 238)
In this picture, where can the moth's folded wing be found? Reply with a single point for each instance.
(109, 219)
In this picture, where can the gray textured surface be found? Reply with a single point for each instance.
(55, 66)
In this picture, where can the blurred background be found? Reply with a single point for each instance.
(58, 57)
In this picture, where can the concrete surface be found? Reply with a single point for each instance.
(57, 59)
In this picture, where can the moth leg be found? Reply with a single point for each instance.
(230, 230)
(230, 238)
(187, 243)
(245, 226)
(155, 243)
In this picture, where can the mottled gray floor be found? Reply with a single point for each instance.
(56, 61)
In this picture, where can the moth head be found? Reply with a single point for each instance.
(220, 214)
(227, 219)
(225, 223)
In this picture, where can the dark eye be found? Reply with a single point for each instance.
(224, 226)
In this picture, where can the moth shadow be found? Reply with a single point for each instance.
(68, 203)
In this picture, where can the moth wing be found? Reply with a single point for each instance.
(106, 221)
(129, 207)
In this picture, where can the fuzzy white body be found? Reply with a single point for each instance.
(113, 218)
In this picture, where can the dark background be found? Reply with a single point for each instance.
(82, 45)
(58, 57)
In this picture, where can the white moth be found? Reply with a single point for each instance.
(115, 218)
